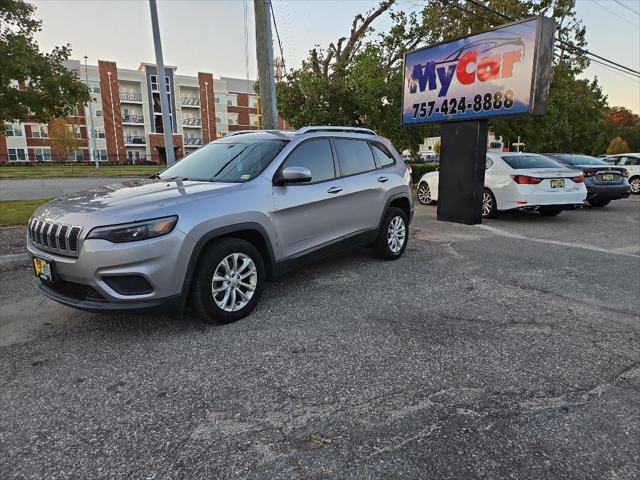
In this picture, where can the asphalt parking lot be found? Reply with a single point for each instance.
(508, 350)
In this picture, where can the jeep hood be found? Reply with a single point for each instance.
(130, 197)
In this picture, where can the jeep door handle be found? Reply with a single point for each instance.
(383, 179)
(334, 190)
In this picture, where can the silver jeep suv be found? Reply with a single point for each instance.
(214, 227)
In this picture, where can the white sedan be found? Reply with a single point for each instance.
(519, 181)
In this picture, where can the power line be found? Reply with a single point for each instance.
(566, 44)
(273, 15)
(626, 6)
(616, 14)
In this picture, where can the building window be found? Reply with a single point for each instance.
(232, 100)
(40, 131)
(77, 155)
(94, 86)
(97, 132)
(154, 83)
(74, 130)
(98, 113)
(100, 154)
(232, 119)
(13, 130)
(253, 101)
(42, 154)
(253, 119)
(220, 98)
(17, 155)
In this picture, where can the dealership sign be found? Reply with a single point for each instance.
(505, 71)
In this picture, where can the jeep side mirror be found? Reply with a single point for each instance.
(293, 175)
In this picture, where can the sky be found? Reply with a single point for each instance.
(217, 36)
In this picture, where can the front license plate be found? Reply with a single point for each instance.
(43, 269)
(608, 177)
(557, 183)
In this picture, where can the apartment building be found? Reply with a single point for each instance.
(123, 122)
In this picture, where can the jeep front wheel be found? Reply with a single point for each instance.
(228, 281)
(393, 236)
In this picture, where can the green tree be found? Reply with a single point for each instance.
(619, 122)
(65, 139)
(573, 120)
(617, 145)
(50, 89)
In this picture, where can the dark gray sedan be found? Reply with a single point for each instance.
(604, 182)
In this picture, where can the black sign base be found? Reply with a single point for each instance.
(463, 153)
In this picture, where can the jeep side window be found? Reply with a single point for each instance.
(354, 156)
(383, 157)
(316, 155)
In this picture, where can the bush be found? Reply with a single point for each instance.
(419, 169)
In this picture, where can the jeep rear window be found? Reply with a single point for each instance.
(226, 161)
(522, 162)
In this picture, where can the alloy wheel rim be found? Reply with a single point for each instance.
(424, 194)
(396, 234)
(234, 282)
(487, 203)
(635, 185)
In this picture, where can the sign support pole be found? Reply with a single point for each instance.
(463, 154)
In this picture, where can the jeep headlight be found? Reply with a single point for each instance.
(132, 232)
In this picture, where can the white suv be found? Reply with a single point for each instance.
(630, 161)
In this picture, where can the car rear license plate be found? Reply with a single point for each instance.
(43, 269)
(557, 183)
(608, 177)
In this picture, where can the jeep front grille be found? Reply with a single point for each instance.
(54, 237)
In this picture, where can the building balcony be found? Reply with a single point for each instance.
(134, 141)
(192, 122)
(133, 119)
(190, 102)
(192, 141)
(130, 98)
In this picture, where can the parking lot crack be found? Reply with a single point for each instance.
(581, 396)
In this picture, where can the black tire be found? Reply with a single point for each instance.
(202, 297)
(550, 212)
(381, 247)
(424, 194)
(634, 183)
(489, 206)
(598, 202)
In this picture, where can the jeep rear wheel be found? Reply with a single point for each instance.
(228, 281)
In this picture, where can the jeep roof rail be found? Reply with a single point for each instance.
(366, 131)
(242, 132)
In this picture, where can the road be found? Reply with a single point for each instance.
(510, 350)
(31, 188)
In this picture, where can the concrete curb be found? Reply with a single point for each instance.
(11, 262)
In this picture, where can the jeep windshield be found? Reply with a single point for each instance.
(225, 161)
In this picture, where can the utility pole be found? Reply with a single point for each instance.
(93, 130)
(167, 127)
(518, 144)
(264, 52)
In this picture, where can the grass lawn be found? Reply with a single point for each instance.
(34, 171)
(17, 212)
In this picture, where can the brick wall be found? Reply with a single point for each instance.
(114, 137)
(156, 140)
(207, 107)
